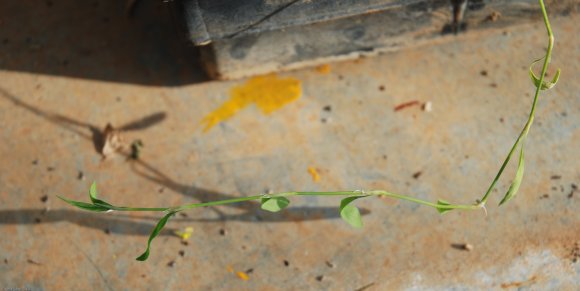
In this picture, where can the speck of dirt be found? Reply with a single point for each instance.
(323, 120)
(340, 77)
(561, 188)
(107, 231)
(574, 187)
(171, 264)
(319, 278)
(81, 175)
(554, 188)
(33, 262)
(564, 113)
(330, 264)
(5, 261)
(463, 247)
(501, 119)
(35, 162)
(327, 108)
(37, 220)
(118, 99)
(44, 198)
(483, 73)
(249, 271)
(50, 169)
(493, 85)
(161, 190)
(143, 276)
(244, 247)
(545, 196)
(381, 88)
(571, 195)
(556, 177)
(182, 214)
(286, 263)
(417, 175)
(181, 253)
(384, 157)
(184, 242)
(223, 232)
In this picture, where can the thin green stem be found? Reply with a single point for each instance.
(526, 128)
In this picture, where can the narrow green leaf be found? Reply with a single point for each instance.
(275, 204)
(349, 212)
(443, 209)
(517, 180)
(154, 234)
(85, 206)
(93, 196)
(93, 191)
(545, 84)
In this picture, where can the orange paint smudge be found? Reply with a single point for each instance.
(314, 173)
(268, 92)
(243, 276)
(323, 69)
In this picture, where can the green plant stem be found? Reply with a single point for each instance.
(526, 128)
(287, 194)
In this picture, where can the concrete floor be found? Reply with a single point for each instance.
(77, 67)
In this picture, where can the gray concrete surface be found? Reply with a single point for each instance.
(48, 107)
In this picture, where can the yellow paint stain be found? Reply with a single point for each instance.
(243, 276)
(269, 93)
(323, 69)
(314, 173)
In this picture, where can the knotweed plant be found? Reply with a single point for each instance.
(348, 211)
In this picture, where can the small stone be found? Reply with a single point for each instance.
(319, 278)
(286, 263)
(223, 232)
(181, 253)
(329, 264)
(483, 73)
(171, 264)
(44, 198)
(427, 106)
(417, 175)
(81, 175)
(327, 108)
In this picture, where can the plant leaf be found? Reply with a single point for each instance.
(545, 84)
(442, 209)
(517, 180)
(93, 196)
(154, 234)
(349, 212)
(275, 204)
(85, 206)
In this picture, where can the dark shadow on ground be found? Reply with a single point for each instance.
(98, 40)
(105, 223)
(251, 209)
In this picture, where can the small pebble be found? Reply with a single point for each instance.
(329, 264)
(223, 232)
(182, 253)
(81, 175)
(44, 198)
(427, 106)
(327, 108)
(319, 278)
(286, 263)
(171, 264)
